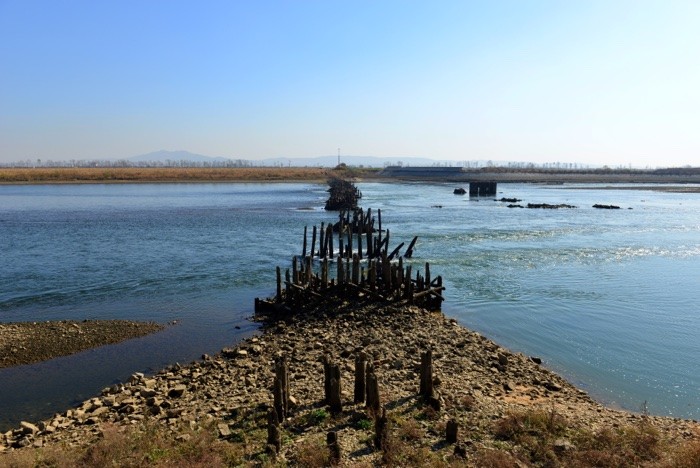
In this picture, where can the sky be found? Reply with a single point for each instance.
(580, 81)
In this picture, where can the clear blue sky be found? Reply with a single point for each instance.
(598, 82)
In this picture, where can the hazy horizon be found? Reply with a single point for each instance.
(596, 83)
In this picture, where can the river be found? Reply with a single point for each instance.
(607, 298)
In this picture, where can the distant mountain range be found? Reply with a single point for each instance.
(164, 156)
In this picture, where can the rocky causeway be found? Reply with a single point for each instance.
(477, 382)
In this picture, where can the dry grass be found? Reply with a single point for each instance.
(133, 174)
(540, 438)
(145, 445)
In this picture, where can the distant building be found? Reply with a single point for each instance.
(416, 172)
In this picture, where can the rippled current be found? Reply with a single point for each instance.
(608, 298)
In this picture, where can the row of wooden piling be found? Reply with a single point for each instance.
(342, 195)
(379, 279)
(366, 390)
(374, 272)
(356, 235)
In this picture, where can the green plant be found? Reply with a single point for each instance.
(316, 417)
(364, 424)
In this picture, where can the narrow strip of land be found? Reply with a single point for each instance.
(30, 342)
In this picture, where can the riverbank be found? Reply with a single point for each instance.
(509, 408)
(109, 175)
(30, 342)
(161, 174)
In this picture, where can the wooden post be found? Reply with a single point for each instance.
(274, 436)
(386, 271)
(426, 374)
(313, 242)
(333, 448)
(331, 385)
(369, 242)
(303, 250)
(321, 242)
(451, 431)
(359, 244)
(409, 251)
(341, 272)
(360, 370)
(287, 286)
(281, 388)
(427, 274)
(355, 269)
(380, 430)
(309, 270)
(379, 219)
(295, 272)
(372, 265)
(340, 242)
(372, 399)
(335, 403)
(279, 285)
(330, 240)
(324, 273)
(326, 377)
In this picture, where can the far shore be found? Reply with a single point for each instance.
(671, 182)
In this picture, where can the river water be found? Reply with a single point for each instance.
(608, 298)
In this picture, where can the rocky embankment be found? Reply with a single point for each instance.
(478, 383)
(29, 342)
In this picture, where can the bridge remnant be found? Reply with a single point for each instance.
(483, 189)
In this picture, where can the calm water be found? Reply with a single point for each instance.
(607, 298)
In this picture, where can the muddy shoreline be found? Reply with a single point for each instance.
(30, 342)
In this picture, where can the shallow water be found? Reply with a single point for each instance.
(607, 298)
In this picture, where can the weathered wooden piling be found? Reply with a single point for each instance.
(380, 430)
(372, 398)
(274, 434)
(426, 374)
(367, 269)
(281, 388)
(331, 385)
(333, 445)
(360, 373)
(451, 431)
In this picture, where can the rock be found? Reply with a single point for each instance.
(224, 430)
(99, 411)
(28, 428)
(177, 391)
(502, 359)
(459, 191)
(563, 445)
(536, 360)
(552, 386)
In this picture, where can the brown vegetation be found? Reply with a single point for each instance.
(161, 174)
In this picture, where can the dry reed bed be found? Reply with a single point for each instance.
(185, 174)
